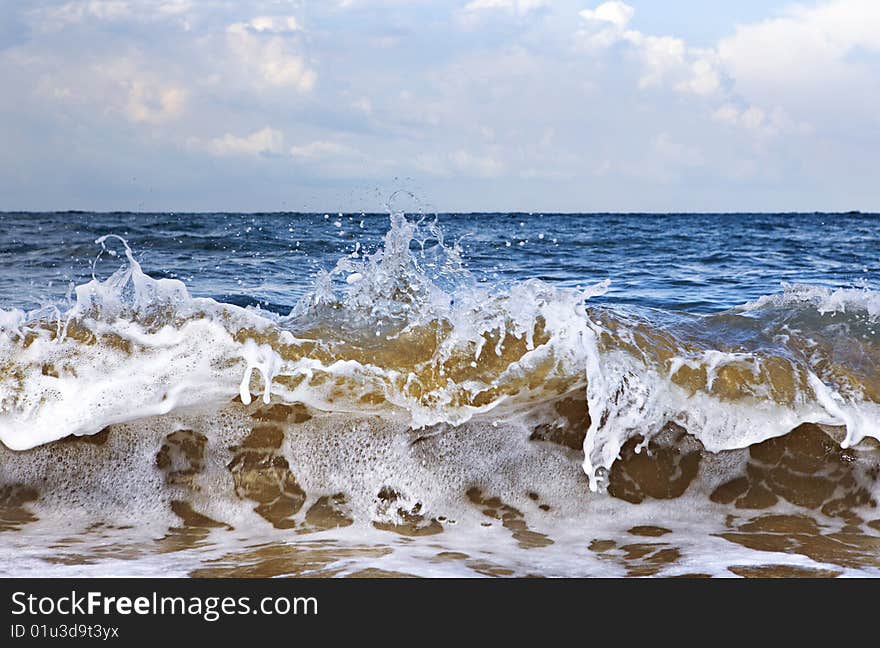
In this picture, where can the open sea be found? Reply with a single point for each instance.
(436, 395)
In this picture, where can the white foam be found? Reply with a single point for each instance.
(157, 350)
(822, 298)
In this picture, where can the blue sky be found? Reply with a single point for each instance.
(531, 105)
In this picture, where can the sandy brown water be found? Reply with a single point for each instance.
(273, 498)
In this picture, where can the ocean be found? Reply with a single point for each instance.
(352, 394)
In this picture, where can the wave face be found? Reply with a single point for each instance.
(496, 380)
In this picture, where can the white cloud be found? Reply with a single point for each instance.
(321, 149)
(267, 141)
(778, 76)
(605, 25)
(154, 103)
(677, 153)
(793, 63)
(519, 7)
(473, 13)
(806, 48)
(660, 56)
(480, 165)
(268, 24)
(130, 87)
(330, 157)
(100, 9)
(704, 78)
(460, 162)
(83, 11)
(402, 92)
(270, 142)
(663, 58)
(616, 14)
(273, 57)
(761, 121)
(373, 4)
(810, 70)
(363, 104)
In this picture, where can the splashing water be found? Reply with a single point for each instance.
(499, 383)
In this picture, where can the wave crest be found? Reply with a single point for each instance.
(407, 331)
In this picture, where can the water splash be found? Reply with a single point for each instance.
(406, 331)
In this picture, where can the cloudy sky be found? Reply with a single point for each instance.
(531, 105)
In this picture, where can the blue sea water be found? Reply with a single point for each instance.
(698, 263)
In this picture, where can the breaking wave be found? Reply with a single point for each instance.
(406, 333)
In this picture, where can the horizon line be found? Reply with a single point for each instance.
(851, 212)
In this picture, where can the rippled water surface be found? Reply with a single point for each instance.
(696, 262)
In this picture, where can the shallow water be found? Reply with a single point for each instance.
(482, 394)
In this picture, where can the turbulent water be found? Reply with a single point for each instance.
(480, 394)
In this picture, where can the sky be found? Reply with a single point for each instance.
(468, 105)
